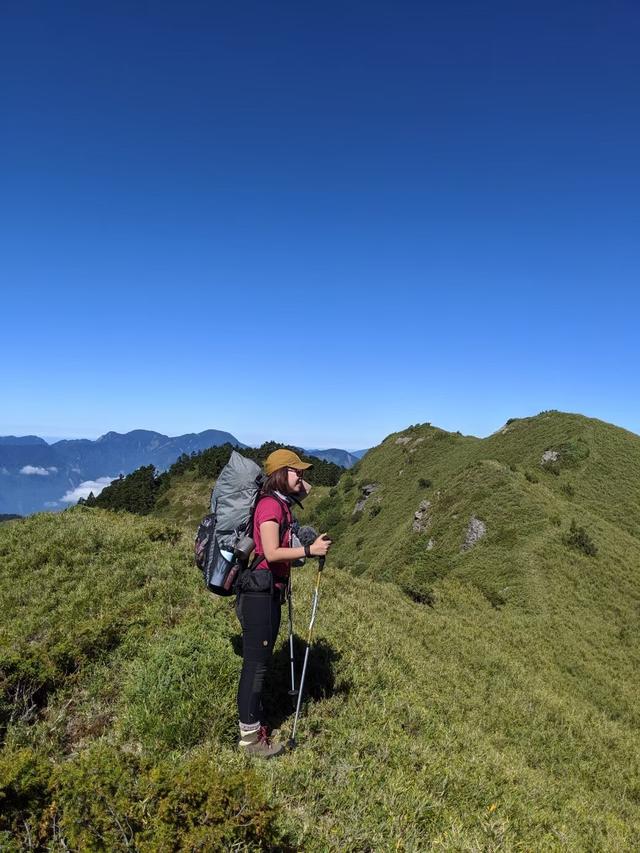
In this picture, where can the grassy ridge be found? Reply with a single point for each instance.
(527, 506)
(461, 726)
(186, 500)
(491, 705)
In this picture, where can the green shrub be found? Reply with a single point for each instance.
(578, 538)
(568, 489)
(160, 532)
(505, 535)
(348, 482)
(183, 690)
(24, 777)
(376, 509)
(27, 677)
(493, 596)
(570, 454)
(201, 808)
(424, 483)
(417, 586)
(328, 515)
(106, 799)
(30, 672)
(99, 799)
(356, 516)
(531, 478)
(573, 452)
(551, 467)
(425, 570)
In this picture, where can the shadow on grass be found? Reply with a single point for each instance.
(319, 683)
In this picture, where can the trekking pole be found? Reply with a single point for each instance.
(314, 608)
(293, 692)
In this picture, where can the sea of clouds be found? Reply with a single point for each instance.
(85, 488)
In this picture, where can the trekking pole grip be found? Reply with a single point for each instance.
(322, 558)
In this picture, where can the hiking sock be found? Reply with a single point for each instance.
(249, 733)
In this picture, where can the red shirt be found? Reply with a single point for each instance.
(273, 509)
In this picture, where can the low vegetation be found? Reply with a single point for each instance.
(483, 699)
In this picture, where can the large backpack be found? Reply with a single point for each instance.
(233, 502)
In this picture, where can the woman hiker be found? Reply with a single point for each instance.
(259, 609)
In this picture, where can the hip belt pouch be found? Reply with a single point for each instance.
(255, 580)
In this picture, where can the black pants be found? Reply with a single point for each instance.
(259, 615)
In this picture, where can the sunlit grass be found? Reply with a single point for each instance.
(500, 715)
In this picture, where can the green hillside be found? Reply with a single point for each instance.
(527, 506)
(186, 500)
(485, 701)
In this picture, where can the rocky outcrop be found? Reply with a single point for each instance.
(367, 491)
(549, 456)
(476, 529)
(422, 517)
(404, 439)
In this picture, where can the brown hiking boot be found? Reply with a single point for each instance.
(258, 743)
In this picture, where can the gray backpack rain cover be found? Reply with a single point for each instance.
(233, 497)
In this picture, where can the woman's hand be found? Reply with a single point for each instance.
(320, 547)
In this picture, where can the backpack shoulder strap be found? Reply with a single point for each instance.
(288, 517)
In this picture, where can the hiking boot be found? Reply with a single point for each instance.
(258, 743)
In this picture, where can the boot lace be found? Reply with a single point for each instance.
(263, 736)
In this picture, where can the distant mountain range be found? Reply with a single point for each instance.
(37, 476)
(344, 458)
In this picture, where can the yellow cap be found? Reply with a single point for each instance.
(284, 458)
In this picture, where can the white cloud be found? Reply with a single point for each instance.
(3, 471)
(51, 503)
(53, 469)
(33, 469)
(85, 488)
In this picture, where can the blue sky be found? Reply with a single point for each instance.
(317, 223)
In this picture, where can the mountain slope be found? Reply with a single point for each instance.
(459, 726)
(526, 505)
(485, 699)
